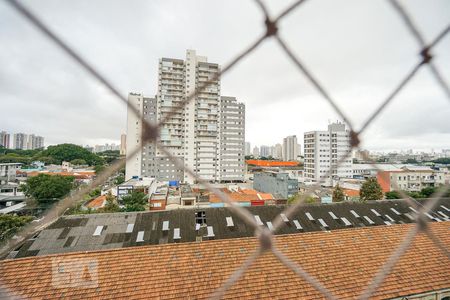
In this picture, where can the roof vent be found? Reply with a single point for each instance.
(140, 236)
(176, 234)
(309, 216)
(333, 215)
(130, 228)
(270, 226)
(165, 226)
(389, 218)
(375, 212)
(412, 208)
(98, 231)
(230, 222)
(322, 222)
(197, 226)
(258, 220)
(354, 214)
(369, 220)
(284, 218)
(444, 207)
(346, 222)
(395, 211)
(210, 232)
(442, 214)
(387, 223)
(297, 225)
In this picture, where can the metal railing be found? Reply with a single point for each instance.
(265, 236)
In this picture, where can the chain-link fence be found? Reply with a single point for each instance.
(264, 235)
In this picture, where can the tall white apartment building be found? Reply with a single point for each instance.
(247, 148)
(206, 135)
(323, 150)
(20, 141)
(265, 151)
(290, 148)
(4, 139)
(278, 151)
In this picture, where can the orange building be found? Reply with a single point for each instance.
(272, 163)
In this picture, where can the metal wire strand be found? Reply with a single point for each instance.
(150, 135)
(421, 40)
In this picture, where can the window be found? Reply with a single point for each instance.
(200, 217)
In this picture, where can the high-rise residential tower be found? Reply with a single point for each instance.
(205, 135)
(20, 141)
(123, 144)
(290, 148)
(4, 139)
(323, 150)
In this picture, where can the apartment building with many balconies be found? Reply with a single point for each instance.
(206, 135)
(324, 150)
(411, 179)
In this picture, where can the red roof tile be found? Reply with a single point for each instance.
(345, 261)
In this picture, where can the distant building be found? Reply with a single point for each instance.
(20, 141)
(278, 151)
(361, 155)
(106, 147)
(8, 172)
(4, 139)
(123, 144)
(34, 142)
(255, 151)
(290, 148)
(410, 179)
(277, 184)
(247, 148)
(323, 151)
(264, 151)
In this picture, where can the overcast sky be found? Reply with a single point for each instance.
(359, 51)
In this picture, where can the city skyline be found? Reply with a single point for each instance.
(264, 85)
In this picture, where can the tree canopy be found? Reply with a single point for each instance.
(371, 190)
(46, 188)
(135, 201)
(9, 224)
(338, 194)
(70, 152)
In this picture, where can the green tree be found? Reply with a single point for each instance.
(78, 161)
(410, 161)
(69, 152)
(338, 194)
(119, 180)
(135, 201)
(371, 190)
(111, 205)
(95, 193)
(392, 195)
(99, 168)
(428, 191)
(10, 224)
(45, 188)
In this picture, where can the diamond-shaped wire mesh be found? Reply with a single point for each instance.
(265, 237)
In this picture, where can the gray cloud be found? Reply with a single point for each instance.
(359, 50)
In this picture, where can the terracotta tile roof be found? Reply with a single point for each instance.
(351, 193)
(245, 195)
(264, 196)
(345, 261)
(97, 202)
